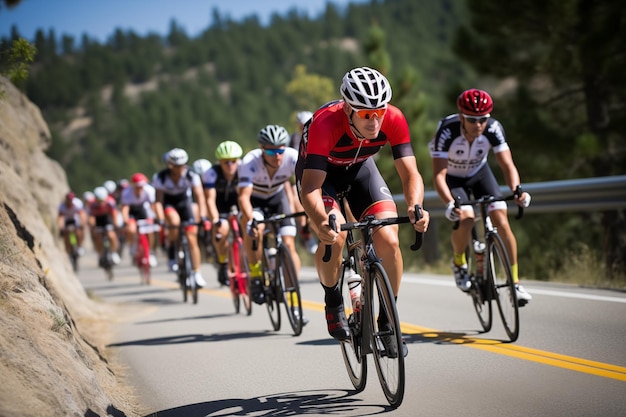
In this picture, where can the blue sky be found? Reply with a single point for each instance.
(100, 18)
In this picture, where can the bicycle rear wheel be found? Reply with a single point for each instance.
(288, 279)
(386, 338)
(354, 357)
(272, 292)
(499, 269)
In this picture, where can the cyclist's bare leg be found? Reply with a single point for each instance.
(80, 236)
(97, 242)
(131, 232)
(387, 245)
(328, 272)
(501, 221)
(290, 242)
(172, 218)
(192, 237)
(113, 239)
(66, 241)
(221, 245)
(461, 236)
(254, 256)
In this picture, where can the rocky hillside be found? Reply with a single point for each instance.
(52, 356)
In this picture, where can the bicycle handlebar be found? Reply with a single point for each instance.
(487, 199)
(272, 219)
(371, 221)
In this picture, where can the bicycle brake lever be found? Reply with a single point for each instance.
(457, 204)
(328, 250)
(419, 236)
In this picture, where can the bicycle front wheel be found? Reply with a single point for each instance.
(481, 293)
(386, 337)
(288, 279)
(272, 292)
(499, 270)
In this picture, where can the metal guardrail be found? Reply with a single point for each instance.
(586, 194)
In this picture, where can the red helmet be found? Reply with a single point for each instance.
(474, 102)
(139, 179)
(70, 196)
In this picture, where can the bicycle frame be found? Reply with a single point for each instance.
(105, 260)
(495, 282)
(282, 284)
(183, 251)
(367, 336)
(238, 264)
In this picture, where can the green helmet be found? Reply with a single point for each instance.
(228, 150)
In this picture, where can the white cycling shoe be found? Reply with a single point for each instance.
(523, 296)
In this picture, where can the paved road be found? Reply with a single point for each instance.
(204, 360)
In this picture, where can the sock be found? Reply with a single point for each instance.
(332, 296)
(459, 259)
(221, 259)
(514, 273)
(255, 270)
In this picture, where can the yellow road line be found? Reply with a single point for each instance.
(534, 355)
(601, 369)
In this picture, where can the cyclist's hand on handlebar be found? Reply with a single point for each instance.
(327, 235)
(523, 200)
(452, 212)
(421, 225)
(251, 229)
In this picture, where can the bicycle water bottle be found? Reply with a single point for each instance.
(271, 257)
(479, 253)
(354, 285)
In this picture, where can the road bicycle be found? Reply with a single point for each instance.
(105, 260)
(367, 336)
(70, 230)
(238, 270)
(186, 278)
(145, 227)
(280, 280)
(490, 270)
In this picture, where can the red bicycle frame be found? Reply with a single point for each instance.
(238, 265)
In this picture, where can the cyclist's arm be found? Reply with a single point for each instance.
(211, 202)
(311, 195)
(413, 189)
(198, 196)
(158, 205)
(509, 171)
(440, 170)
(412, 182)
(291, 197)
(245, 206)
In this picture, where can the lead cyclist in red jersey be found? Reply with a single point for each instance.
(335, 155)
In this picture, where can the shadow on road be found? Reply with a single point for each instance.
(194, 338)
(326, 402)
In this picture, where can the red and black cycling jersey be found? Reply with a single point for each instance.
(330, 141)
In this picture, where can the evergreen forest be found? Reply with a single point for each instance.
(555, 69)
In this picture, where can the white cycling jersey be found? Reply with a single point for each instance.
(253, 173)
(71, 213)
(465, 159)
(145, 199)
(163, 182)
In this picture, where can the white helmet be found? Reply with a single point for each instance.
(365, 88)
(88, 196)
(200, 166)
(101, 193)
(177, 157)
(303, 116)
(273, 135)
(110, 186)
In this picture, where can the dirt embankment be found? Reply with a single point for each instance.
(52, 356)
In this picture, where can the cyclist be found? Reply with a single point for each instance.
(200, 166)
(264, 187)
(177, 187)
(102, 213)
(72, 212)
(459, 156)
(335, 156)
(138, 203)
(220, 189)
